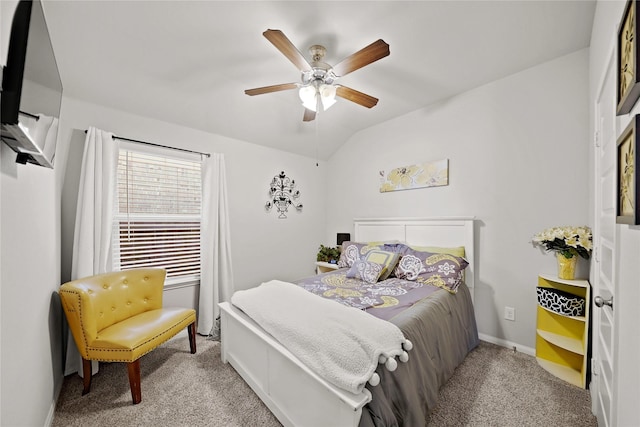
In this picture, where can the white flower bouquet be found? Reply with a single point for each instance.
(569, 241)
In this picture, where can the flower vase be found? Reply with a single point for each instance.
(566, 266)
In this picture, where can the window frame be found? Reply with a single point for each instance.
(171, 281)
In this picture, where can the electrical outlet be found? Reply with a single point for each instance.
(510, 313)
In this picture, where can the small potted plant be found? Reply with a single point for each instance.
(328, 254)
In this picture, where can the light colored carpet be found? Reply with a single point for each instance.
(178, 389)
(493, 387)
(496, 386)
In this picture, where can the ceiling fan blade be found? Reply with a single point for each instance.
(308, 115)
(284, 45)
(269, 89)
(355, 96)
(376, 50)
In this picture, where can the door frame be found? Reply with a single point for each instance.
(596, 272)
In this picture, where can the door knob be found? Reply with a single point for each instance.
(599, 301)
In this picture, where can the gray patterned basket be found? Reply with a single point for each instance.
(561, 302)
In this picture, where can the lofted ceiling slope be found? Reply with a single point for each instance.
(189, 62)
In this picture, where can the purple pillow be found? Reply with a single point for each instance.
(442, 270)
(368, 271)
(353, 251)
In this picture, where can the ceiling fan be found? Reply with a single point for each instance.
(318, 88)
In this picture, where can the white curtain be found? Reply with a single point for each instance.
(92, 251)
(216, 275)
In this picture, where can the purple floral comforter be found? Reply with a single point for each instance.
(383, 299)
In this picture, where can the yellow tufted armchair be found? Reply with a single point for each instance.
(118, 317)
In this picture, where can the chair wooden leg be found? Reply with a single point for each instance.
(191, 329)
(86, 376)
(134, 381)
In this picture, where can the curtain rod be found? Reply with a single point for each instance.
(158, 145)
(33, 116)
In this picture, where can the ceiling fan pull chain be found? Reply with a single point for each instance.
(317, 121)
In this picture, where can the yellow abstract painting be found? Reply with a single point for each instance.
(627, 170)
(430, 174)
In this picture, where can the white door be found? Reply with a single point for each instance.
(603, 278)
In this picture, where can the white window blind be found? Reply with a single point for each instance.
(158, 214)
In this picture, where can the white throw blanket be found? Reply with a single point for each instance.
(341, 344)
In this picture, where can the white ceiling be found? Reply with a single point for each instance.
(189, 62)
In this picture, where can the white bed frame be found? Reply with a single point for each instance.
(295, 394)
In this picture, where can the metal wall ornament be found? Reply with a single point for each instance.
(283, 194)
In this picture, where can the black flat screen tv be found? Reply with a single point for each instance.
(31, 94)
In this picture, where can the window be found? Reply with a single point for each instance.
(158, 211)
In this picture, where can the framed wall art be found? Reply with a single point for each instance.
(627, 178)
(628, 82)
(430, 174)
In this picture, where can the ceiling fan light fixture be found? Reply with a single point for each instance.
(308, 97)
(327, 95)
(310, 105)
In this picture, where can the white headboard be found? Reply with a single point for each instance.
(438, 231)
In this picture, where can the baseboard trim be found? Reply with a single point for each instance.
(52, 409)
(508, 344)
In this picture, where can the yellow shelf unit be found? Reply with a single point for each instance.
(562, 342)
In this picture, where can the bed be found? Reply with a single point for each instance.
(298, 396)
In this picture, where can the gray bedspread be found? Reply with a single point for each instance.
(443, 330)
(441, 326)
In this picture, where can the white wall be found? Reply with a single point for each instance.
(30, 312)
(518, 156)
(30, 271)
(7, 9)
(30, 315)
(627, 388)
